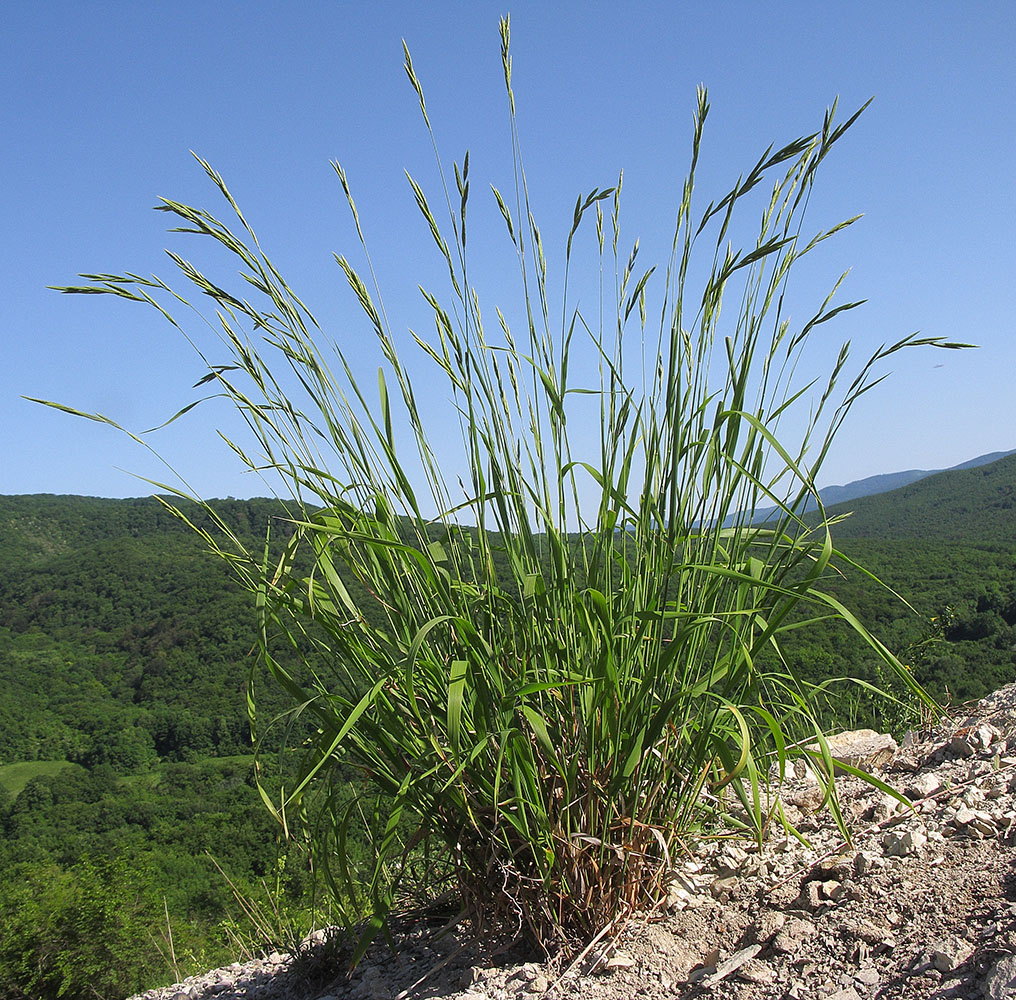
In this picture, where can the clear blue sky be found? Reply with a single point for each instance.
(104, 100)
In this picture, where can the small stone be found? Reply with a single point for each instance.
(314, 938)
(868, 976)
(863, 862)
(758, 972)
(723, 888)
(862, 748)
(813, 895)
(949, 953)
(984, 735)
(620, 960)
(868, 932)
(732, 964)
(677, 898)
(848, 993)
(540, 984)
(530, 971)
(964, 816)
(765, 928)
(923, 785)
(1000, 982)
(831, 889)
(972, 796)
(901, 845)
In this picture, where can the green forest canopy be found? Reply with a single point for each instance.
(124, 653)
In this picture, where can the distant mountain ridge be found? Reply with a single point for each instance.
(873, 486)
(895, 480)
(972, 503)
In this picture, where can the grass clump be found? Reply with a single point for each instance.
(557, 659)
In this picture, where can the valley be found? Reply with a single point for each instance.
(125, 748)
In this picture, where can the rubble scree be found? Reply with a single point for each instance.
(920, 906)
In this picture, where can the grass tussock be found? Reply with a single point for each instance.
(563, 657)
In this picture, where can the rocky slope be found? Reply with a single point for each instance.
(921, 904)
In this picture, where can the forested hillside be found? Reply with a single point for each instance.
(121, 637)
(886, 482)
(948, 545)
(969, 505)
(125, 752)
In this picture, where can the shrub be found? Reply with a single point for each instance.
(81, 933)
(563, 673)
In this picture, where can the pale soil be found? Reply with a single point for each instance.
(921, 905)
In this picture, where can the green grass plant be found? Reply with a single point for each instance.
(560, 659)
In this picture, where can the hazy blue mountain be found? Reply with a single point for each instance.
(968, 504)
(874, 485)
(894, 480)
